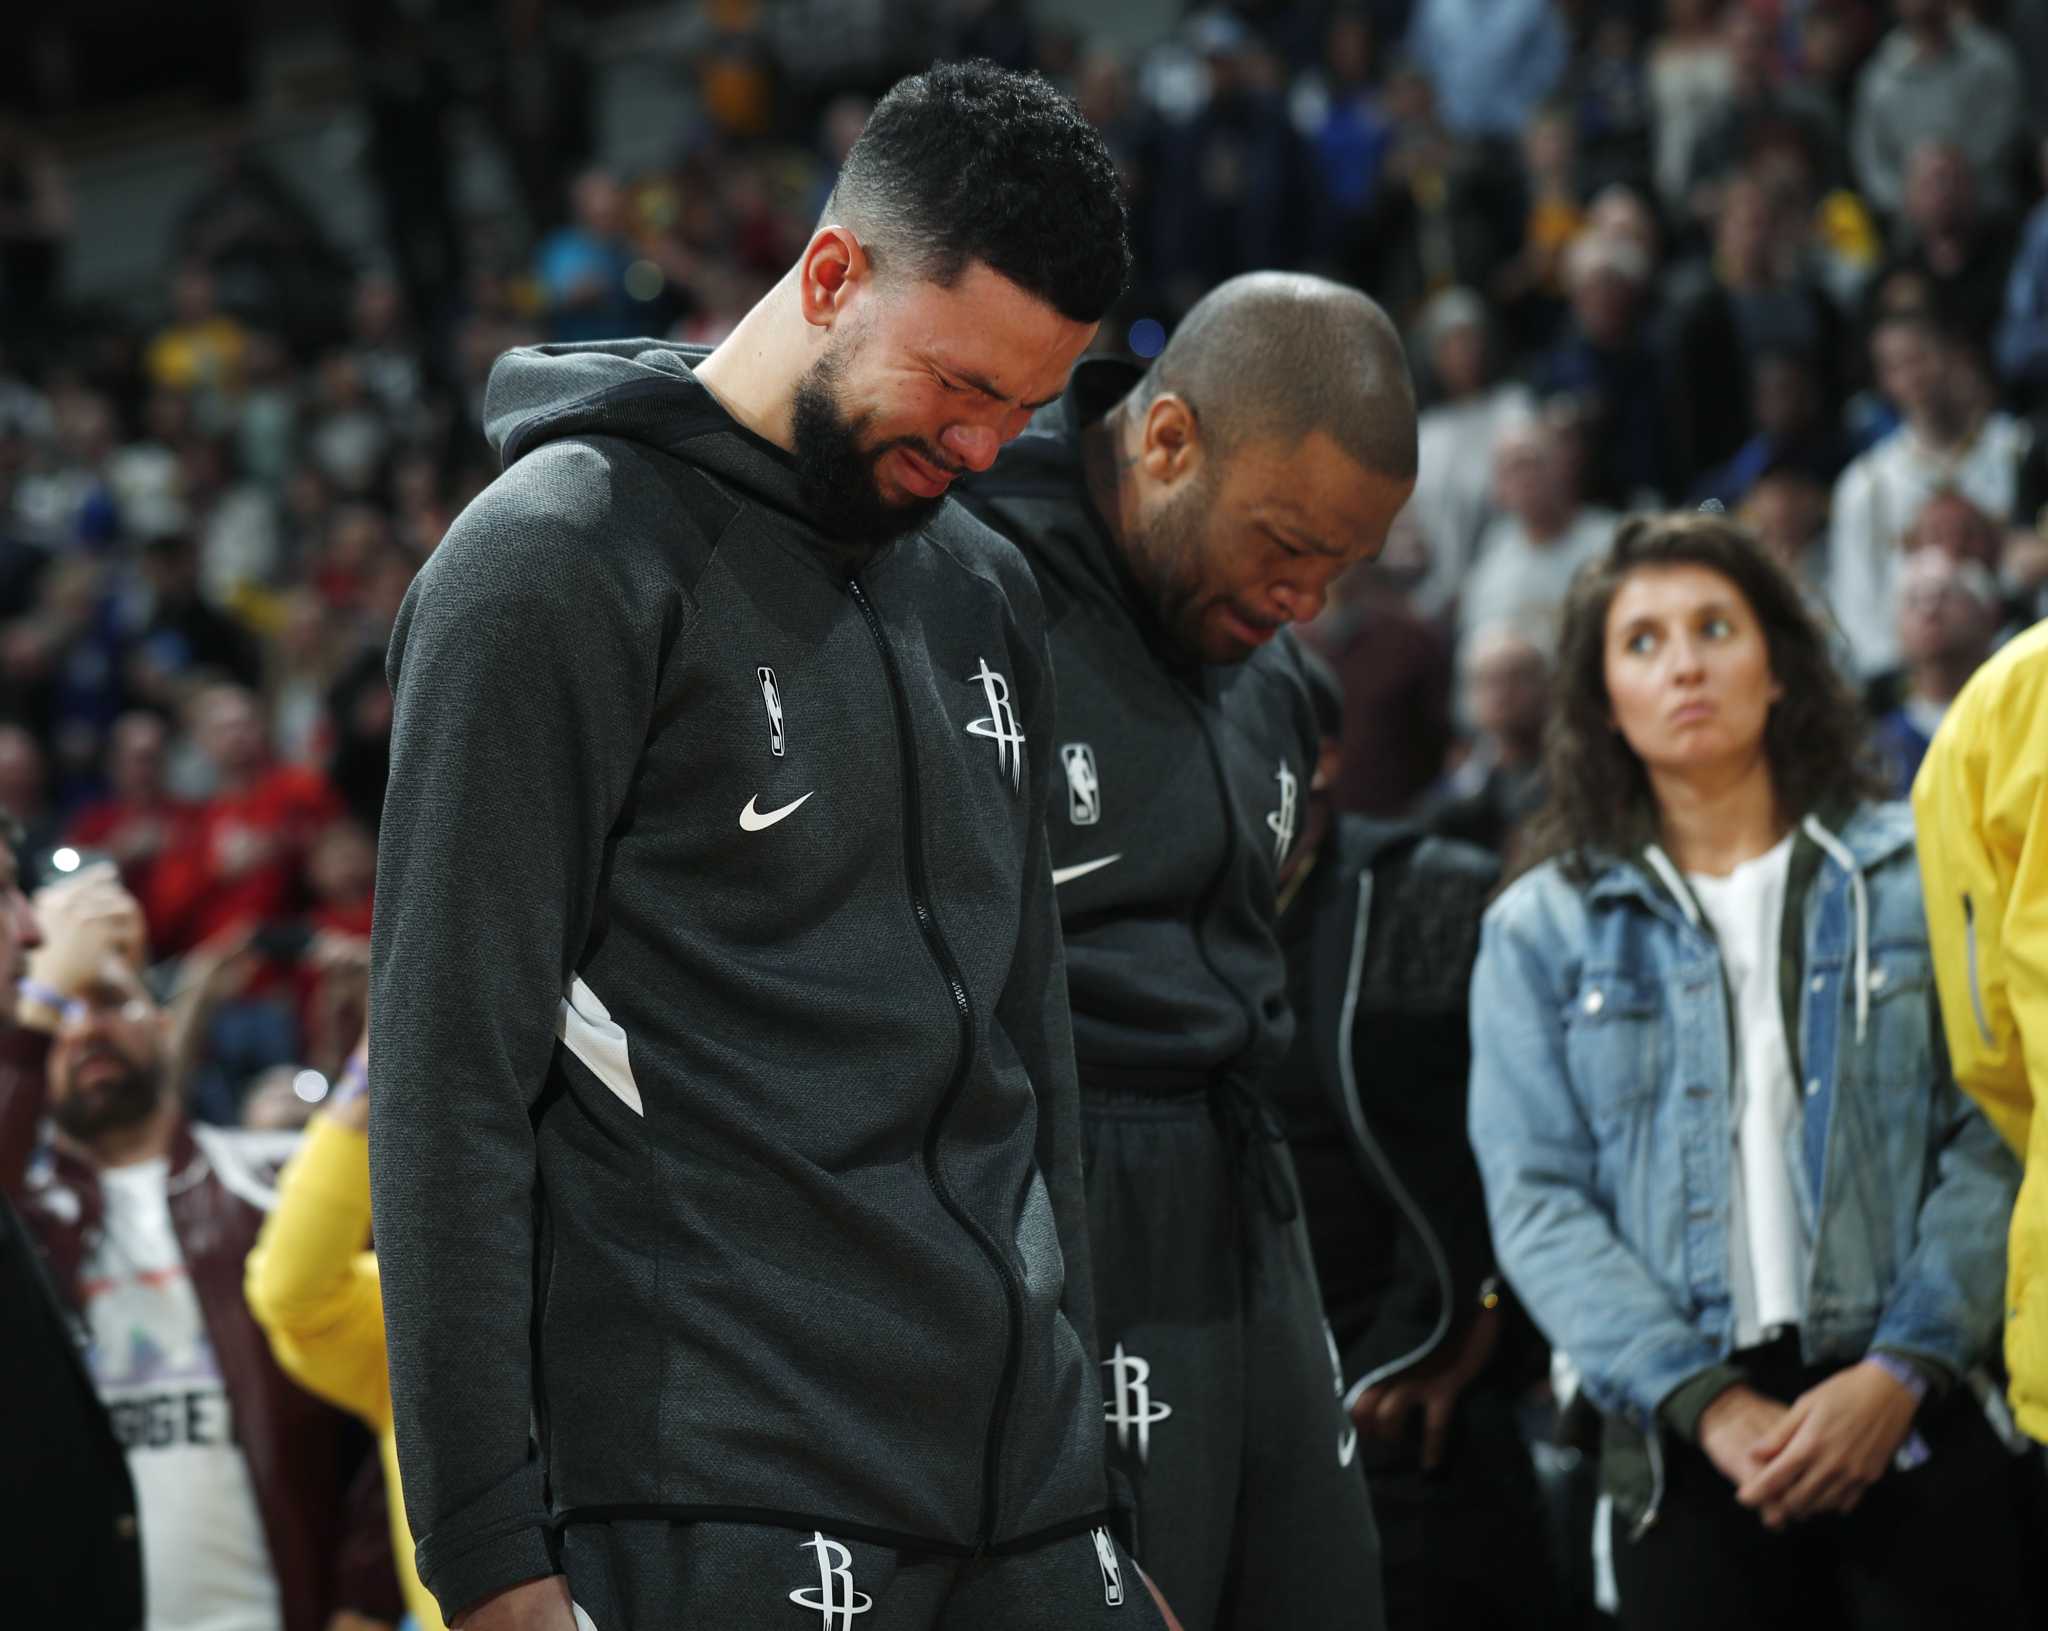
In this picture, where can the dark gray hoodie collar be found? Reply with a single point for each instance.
(1049, 459)
(642, 391)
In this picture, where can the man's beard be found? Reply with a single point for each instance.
(1166, 561)
(111, 1102)
(837, 476)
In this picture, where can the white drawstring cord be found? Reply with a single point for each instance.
(1669, 873)
(1839, 853)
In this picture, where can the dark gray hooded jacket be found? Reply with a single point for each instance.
(724, 1107)
(1180, 788)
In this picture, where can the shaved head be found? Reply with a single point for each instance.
(1266, 453)
(1282, 355)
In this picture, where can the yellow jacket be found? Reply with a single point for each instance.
(1981, 806)
(316, 1293)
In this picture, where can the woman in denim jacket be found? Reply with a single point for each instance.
(1726, 1166)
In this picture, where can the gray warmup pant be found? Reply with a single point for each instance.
(658, 1575)
(1219, 1374)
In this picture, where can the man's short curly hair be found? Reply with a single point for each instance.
(969, 162)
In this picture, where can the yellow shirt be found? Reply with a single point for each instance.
(203, 356)
(316, 1293)
(1980, 803)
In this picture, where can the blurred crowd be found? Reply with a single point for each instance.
(1787, 257)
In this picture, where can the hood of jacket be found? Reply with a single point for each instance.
(642, 391)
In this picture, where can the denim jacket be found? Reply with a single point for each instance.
(1601, 1102)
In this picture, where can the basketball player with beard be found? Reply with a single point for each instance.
(144, 1219)
(73, 1554)
(724, 1154)
(1178, 518)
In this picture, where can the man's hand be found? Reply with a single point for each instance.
(1734, 1429)
(1433, 1387)
(349, 1103)
(532, 1605)
(219, 969)
(84, 919)
(1834, 1443)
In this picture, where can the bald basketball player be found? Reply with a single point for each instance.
(1178, 519)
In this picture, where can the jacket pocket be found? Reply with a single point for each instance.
(1614, 1044)
(1900, 1046)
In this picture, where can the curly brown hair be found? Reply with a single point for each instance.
(1597, 793)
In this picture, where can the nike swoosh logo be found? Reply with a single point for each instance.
(754, 820)
(1067, 874)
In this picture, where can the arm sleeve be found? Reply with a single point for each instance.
(1538, 1157)
(1981, 817)
(1947, 1301)
(311, 1283)
(524, 666)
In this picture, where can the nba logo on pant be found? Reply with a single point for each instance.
(1112, 1571)
(834, 1597)
(1130, 1407)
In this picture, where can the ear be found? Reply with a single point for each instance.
(833, 268)
(1172, 448)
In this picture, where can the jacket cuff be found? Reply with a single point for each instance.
(496, 1542)
(1685, 1404)
(1938, 1377)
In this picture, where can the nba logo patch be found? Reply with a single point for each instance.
(1084, 791)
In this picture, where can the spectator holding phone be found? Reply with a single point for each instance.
(144, 1219)
(73, 1554)
(1727, 1168)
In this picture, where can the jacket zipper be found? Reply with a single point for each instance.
(949, 970)
(1653, 1436)
(1206, 906)
(1976, 984)
(1354, 1111)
